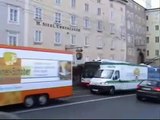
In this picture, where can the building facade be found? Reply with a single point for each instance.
(153, 35)
(117, 29)
(12, 22)
(135, 32)
(96, 28)
(72, 26)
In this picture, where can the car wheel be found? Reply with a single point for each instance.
(43, 100)
(140, 98)
(29, 102)
(112, 91)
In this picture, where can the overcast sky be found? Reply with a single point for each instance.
(155, 3)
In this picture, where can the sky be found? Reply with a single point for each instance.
(155, 3)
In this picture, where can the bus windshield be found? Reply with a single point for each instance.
(89, 73)
(104, 74)
(90, 68)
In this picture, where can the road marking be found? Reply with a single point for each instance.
(78, 96)
(78, 91)
(70, 104)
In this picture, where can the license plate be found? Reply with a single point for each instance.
(96, 90)
(146, 88)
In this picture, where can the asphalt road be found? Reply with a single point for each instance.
(84, 105)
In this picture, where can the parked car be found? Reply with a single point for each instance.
(148, 89)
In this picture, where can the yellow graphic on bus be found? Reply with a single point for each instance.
(11, 70)
(136, 72)
(10, 58)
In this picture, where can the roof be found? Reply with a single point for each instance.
(153, 9)
(129, 64)
(34, 49)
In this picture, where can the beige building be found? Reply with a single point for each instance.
(153, 34)
(95, 26)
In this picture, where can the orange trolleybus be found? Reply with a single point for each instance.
(34, 75)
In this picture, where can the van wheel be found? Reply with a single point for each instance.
(29, 102)
(93, 92)
(112, 91)
(43, 99)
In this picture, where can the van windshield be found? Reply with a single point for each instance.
(104, 74)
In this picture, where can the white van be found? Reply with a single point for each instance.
(117, 76)
(91, 67)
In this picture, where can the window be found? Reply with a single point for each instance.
(100, 25)
(57, 17)
(111, 5)
(58, 2)
(157, 39)
(150, 83)
(86, 7)
(136, 7)
(146, 17)
(147, 52)
(99, 11)
(13, 15)
(73, 20)
(157, 52)
(147, 28)
(98, 1)
(132, 39)
(112, 28)
(12, 38)
(121, 9)
(38, 36)
(38, 14)
(132, 25)
(128, 24)
(137, 41)
(147, 39)
(86, 23)
(73, 3)
(73, 39)
(129, 38)
(86, 41)
(116, 75)
(112, 16)
(99, 43)
(122, 31)
(157, 27)
(122, 20)
(57, 38)
(128, 14)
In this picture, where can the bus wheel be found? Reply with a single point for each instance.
(29, 102)
(43, 99)
(112, 91)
